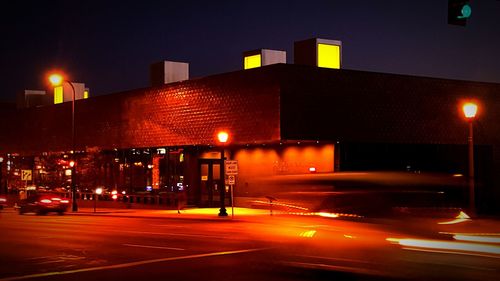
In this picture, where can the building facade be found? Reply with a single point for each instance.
(282, 119)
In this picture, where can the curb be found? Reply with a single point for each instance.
(180, 217)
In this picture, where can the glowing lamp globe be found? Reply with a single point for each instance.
(222, 137)
(470, 110)
(55, 79)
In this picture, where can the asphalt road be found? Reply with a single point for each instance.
(76, 247)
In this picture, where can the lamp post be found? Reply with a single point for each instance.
(74, 206)
(58, 80)
(1, 186)
(222, 138)
(470, 110)
(98, 191)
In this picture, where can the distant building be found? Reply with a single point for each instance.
(32, 98)
(60, 94)
(64, 93)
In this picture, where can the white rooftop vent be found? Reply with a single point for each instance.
(165, 72)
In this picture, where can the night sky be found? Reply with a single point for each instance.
(109, 45)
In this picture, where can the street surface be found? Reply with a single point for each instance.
(163, 245)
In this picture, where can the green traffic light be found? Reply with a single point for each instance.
(466, 12)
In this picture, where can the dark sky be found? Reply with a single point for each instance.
(109, 45)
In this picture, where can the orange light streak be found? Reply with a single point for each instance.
(308, 234)
(462, 217)
(458, 247)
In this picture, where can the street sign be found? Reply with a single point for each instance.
(231, 167)
(231, 179)
(26, 175)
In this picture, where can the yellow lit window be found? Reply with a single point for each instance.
(58, 94)
(252, 61)
(329, 56)
(85, 94)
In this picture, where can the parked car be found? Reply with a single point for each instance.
(43, 203)
(3, 202)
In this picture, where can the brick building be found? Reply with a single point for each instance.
(282, 119)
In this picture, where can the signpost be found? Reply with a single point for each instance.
(231, 180)
(231, 168)
(26, 176)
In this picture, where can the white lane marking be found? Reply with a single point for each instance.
(153, 247)
(334, 267)
(55, 259)
(337, 259)
(39, 258)
(173, 234)
(130, 264)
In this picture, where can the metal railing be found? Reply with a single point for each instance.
(166, 201)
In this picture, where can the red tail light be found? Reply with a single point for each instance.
(46, 201)
(3, 200)
(56, 199)
(65, 201)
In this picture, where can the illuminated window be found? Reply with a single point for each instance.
(329, 56)
(85, 94)
(252, 61)
(58, 94)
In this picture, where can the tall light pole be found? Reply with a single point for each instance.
(98, 191)
(222, 137)
(1, 186)
(58, 80)
(470, 110)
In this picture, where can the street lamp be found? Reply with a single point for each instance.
(57, 80)
(222, 137)
(470, 110)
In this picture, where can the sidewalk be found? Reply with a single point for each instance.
(194, 213)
